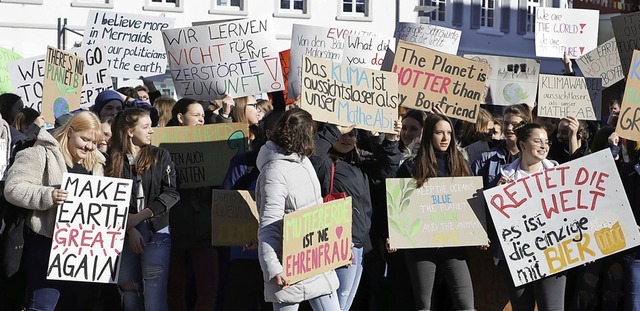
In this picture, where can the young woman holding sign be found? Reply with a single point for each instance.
(287, 183)
(33, 183)
(438, 156)
(145, 255)
(191, 232)
(548, 293)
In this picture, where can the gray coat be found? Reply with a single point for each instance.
(286, 183)
(32, 177)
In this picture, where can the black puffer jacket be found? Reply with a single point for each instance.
(159, 186)
(353, 179)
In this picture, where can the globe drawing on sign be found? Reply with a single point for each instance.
(514, 94)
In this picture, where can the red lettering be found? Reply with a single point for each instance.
(553, 209)
(511, 195)
(601, 178)
(585, 176)
(596, 194)
(501, 206)
(72, 237)
(563, 201)
(562, 169)
(547, 179)
(537, 177)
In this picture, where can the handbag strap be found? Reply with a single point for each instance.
(333, 171)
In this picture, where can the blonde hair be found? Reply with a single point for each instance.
(164, 104)
(238, 114)
(80, 122)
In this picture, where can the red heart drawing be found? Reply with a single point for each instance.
(339, 231)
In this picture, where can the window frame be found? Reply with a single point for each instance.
(36, 2)
(106, 4)
(541, 4)
(437, 11)
(367, 16)
(293, 13)
(242, 10)
(163, 6)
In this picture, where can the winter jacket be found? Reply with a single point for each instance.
(32, 178)
(159, 186)
(488, 165)
(190, 219)
(558, 152)
(286, 183)
(354, 179)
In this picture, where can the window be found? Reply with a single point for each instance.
(103, 4)
(229, 7)
(164, 5)
(439, 14)
(292, 8)
(488, 13)
(532, 8)
(22, 1)
(354, 10)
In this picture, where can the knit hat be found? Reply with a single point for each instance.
(103, 98)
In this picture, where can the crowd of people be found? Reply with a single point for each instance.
(169, 262)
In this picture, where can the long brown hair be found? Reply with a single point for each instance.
(294, 133)
(426, 165)
(120, 144)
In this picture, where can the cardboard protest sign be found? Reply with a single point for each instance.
(316, 239)
(28, 74)
(594, 86)
(561, 96)
(234, 217)
(201, 154)
(366, 51)
(134, 43)
(602, 62)
(441, 39)
(427, 77)
(235, 58)
(90, 229)
(563, 217)
(319, 42)
(627, 35)
(345, 95)
(286, 64)
(62, 85)
(26, 77)
(443, 212)
(511, 80)
(574, 31)
(6, 56)
(629, 118)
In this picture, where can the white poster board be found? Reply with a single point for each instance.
(441, 39)
(90, 229)
(134, 42)
(574, 31)
(564, 217)
(366, 51)
(237, 58)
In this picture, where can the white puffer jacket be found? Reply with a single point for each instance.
(286, 183)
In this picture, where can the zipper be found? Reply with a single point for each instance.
(169, 177)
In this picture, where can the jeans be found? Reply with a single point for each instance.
(149, 271)
(631, 283)
(204, 267)
(349, 277)
(322, 303)
(548, 293)
(422, 264)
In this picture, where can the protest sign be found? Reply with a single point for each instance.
(366, 51)
(629, 119)
(134, 44)
(443, 212)
(316, 239)
(594, 86)
(6, 56)
(234, 217)
(285, 64)
(511, 80)
(28, 74)
(562, 217)
(573, 31)
(602, 62)
(234, 58)
(427, 77)
(561, 96)
(62, 85)
(90, 229)
(441, 39)
(626, 29)
(319, 42)
(345, 95)
(201, 154)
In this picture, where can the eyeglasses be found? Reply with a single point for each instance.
(541, 142)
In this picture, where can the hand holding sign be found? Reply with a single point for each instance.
(59, 196)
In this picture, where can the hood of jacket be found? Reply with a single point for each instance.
(509, 170)
(271, 152)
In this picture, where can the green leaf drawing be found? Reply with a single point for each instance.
(398, 202)
(394, 225)
(417, 223)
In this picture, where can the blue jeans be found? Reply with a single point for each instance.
(149, 271)
(631, 283)
(349, 277)
(322, 303)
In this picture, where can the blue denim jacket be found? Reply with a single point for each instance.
(488, 166)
